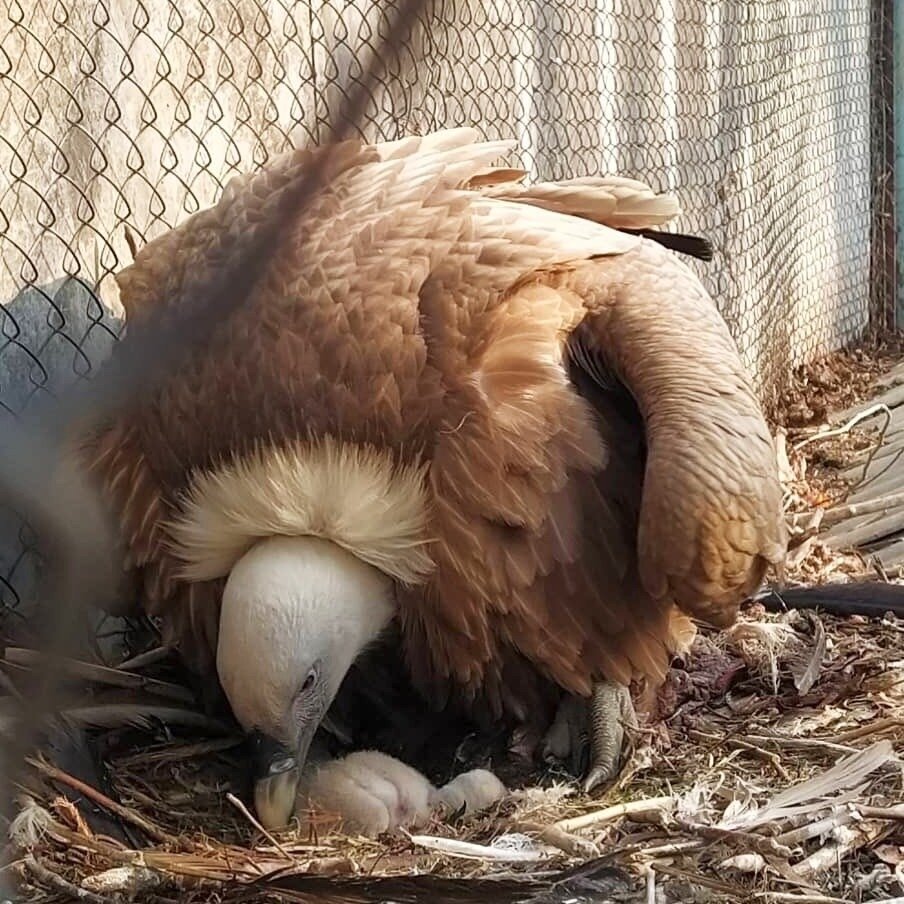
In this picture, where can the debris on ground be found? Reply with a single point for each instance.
(772, 772)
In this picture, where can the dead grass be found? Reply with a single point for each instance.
(813, 464)
(705, 808)
(836, 381)
(691, 808)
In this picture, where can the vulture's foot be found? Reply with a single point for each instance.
(368, 793)
(592, 731)
(611, 712)
(566, 739)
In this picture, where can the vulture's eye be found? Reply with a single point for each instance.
(309, 680)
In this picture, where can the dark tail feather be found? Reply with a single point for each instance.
(693, 245)
(869, 598)
(595, 880)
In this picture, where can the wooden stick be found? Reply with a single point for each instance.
(883, 504)
(801, 743)
(768, 755)
(131, 881)
(247, 814)
(101, 799)
(762, 844)
(651, 886)
(891, 813)
(877, 446)
(662, 850)
(451, 847)
(847, 426)
(792, 898)
(552, 835)
(850, 839)
(869, 728)
(59, 884)
(632, 808)
(840, 816)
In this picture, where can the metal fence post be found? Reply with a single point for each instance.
(898, 107)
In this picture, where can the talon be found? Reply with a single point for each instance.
(590, 734)
(611, 712)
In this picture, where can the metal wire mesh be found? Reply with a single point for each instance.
(762, 115)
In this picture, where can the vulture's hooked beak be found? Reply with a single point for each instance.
(275, 774)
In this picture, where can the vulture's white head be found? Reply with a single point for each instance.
(296, 612)
(311, 539)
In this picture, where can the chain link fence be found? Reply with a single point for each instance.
(767, 118)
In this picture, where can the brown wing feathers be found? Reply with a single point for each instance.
(710, 519)
(220, 253)
(653, 484)
(581, 486)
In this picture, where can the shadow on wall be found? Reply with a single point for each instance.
(51, 337)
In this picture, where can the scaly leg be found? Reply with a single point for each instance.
(595, 727)
(611, 712)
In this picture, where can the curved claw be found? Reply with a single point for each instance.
(611, 712)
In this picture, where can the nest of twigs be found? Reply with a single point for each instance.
(770, 773)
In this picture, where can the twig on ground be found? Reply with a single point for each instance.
(801, 743)
(451, 847)
(877, 445)
(555, 837)
(769, 755)
(98, 797)
(847, 840)
(59, 884)
(882, 505)
(659, 850)
(840, 816)
(847, 426)
(128, 880)
(762, 844)
(248, 815)
(652, 805)
(651, 886)
(865, 731)
(895, 814)
(795, 898)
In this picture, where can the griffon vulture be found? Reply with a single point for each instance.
(498, 415)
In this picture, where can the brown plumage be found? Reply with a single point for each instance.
(594, 464)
